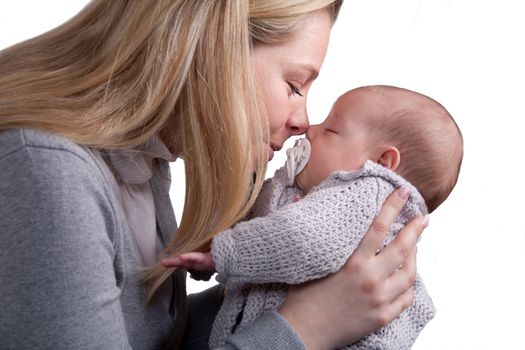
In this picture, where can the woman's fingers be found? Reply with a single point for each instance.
(373, 239)
(395, 308)
(396, 252)
(393, 295)
(402, 279)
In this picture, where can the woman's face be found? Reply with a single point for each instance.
(285, 72)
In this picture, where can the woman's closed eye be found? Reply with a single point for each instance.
(295, 90)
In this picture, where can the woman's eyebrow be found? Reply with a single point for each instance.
(311, 70)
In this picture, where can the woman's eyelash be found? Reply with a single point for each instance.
(295, 90)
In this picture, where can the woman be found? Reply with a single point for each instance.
(90, 114)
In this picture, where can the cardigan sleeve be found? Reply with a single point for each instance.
(268, 332)
(57, 228)
(301, 241)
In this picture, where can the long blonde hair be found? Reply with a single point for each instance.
(122, 71)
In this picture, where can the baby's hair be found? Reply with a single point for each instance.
(427, 137)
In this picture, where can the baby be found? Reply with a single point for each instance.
(312, 214)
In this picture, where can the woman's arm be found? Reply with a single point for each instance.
(59, 289)
(270, 331)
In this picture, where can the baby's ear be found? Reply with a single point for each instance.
(389, 157)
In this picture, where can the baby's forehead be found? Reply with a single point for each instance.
(367, 96)
(385, 93)
(362, 104)
(389, 101)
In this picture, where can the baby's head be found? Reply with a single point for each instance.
(400, 129)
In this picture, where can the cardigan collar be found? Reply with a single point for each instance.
(136, 166)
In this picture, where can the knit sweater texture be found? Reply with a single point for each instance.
(290, 241)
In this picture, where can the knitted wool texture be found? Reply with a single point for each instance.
(287, 242)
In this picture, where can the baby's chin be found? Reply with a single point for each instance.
(300, 181)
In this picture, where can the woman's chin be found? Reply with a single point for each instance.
(270, 153)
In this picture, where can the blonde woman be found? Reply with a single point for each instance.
(90, 114)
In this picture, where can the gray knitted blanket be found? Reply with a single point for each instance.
(291, 240)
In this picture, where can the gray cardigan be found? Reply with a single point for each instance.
(293, 240)
(69, 264)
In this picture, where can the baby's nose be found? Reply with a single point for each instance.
(311, 132)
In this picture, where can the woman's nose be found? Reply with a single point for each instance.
(298, 122)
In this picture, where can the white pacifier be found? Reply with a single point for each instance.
(298, 157)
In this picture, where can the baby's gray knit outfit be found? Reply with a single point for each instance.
(291, 241)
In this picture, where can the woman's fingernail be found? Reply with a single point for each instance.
(404, 192)
(426, 221)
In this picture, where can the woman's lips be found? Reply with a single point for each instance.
(273, 149)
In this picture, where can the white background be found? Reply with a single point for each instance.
(467, 54)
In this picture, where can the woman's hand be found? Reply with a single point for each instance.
(367, 293)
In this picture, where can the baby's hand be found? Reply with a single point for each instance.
(192, 261)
